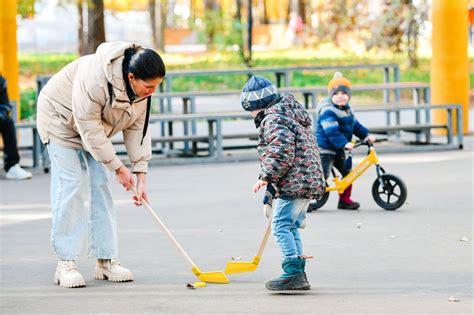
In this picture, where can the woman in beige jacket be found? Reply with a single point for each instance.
(79, 110)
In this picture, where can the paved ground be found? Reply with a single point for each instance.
(408, 261)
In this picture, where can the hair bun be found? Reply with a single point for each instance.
(337, 75)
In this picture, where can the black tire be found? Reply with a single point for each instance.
(315, 205)
(392, 195)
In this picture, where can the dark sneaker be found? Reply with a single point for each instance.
(294, 282)
(348, 206)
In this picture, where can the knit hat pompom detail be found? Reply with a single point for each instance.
(339, 83)
(258, 93)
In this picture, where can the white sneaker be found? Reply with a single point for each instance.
(67, 275)
(16, 172)
(110, 269)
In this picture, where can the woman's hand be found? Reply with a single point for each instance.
(141, 189)
(259, 184)
(124, 177)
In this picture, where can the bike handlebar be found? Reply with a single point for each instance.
(359, 143)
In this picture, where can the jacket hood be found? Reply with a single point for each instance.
(290, 107)
(110, 56)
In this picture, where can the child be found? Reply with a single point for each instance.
(289, 159)
(335, 127)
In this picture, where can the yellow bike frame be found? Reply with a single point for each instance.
(342, 184)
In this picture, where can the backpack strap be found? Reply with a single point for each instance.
(111, 91)
(147, 117)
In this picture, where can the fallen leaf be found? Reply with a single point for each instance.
(190, 286)
(453, 299)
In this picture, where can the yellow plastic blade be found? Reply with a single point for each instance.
(242, 266)
(210, 276)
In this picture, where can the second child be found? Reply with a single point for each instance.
(335, 126)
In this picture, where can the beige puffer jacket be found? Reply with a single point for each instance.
(75, 110)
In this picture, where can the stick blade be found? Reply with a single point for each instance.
(213, 277)
(239, 267)
(210, 276)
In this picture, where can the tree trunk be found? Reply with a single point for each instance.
(163, 23)
(157, 25)
(248, 60)
(152, 16)
(80, 28)
(96, 28)
(266, 19)
(302, 10)
(209, 8)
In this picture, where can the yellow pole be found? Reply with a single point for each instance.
(450, 61)
(8, 50)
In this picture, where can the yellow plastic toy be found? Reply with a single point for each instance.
(389, 191)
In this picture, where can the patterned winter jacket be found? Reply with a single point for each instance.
(335, 127)
(289, 156)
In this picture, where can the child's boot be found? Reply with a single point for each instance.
(293, 277)
(345, 202)
(110, 269)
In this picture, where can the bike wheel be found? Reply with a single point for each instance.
(315, 205)
(390, 195)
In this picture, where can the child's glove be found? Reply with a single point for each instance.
(268, 201)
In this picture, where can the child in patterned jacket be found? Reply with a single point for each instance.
(289, 160)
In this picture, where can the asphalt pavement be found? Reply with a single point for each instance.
(415, 260)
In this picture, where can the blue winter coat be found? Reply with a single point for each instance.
(335, 127)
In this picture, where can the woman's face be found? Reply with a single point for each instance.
(143, 88)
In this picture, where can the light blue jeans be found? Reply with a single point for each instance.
(72, 221)
(288, 214)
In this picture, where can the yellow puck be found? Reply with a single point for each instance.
(199, 284)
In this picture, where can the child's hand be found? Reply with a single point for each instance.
(259, 184)
(370, 139)
(349, 146)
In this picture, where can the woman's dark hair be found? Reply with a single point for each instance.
(145, 64)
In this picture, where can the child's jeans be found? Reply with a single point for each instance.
(72, 221)
(336, 160)
(288, 215)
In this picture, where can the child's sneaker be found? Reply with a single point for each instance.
(110, 269)
(67, 275)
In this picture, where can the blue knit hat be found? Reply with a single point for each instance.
(257, 94)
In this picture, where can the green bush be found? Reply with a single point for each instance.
(28, 104)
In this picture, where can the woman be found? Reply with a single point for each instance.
(79, 110)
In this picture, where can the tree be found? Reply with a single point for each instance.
(26, 8)
(417, 16)
(81, 36)
(339, 18)
(95, 23)
(158, 22)
(213, 18)
(398, 27)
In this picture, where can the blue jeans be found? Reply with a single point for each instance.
(288, 214)
(72, 222)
